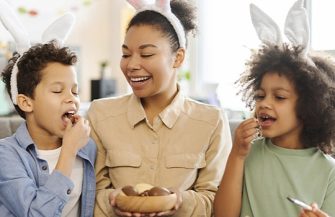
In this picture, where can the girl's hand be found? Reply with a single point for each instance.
(315, 212)
(244, 134)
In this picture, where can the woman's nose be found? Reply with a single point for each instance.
(134, 63)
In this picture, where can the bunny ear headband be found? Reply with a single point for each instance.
(162, 7)
(296, 27)
(58, 30)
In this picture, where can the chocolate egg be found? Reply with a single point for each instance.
(129, 191)
(158, 191)
(145, 193)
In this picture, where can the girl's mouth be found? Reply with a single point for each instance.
(266, 120)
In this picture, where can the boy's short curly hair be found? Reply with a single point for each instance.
(32, 63)
(315, 86)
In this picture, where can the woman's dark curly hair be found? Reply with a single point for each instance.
(314, 84)
(32, 63)
(181, 9)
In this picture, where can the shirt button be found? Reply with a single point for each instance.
(44, 167)
(68, 191)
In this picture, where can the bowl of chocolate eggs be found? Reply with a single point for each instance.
(145, 198)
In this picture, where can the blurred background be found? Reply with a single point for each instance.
(215, 58)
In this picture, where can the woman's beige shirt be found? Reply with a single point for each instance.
(186, 147)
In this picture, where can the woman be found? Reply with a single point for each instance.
(156, 135)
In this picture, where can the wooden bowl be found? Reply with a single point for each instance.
(145, 204)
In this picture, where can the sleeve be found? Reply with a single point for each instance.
(20, 193)
(199, 201)
(103, 183)
(328, 203)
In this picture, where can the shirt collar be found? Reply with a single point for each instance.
(23, 137)
(135, 111)
(171, 113)
(168, 116)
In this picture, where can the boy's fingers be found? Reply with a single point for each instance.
(68, 123)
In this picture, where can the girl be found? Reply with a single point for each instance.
(294, 97)
(156, 135)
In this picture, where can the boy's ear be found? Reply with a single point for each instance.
(180, 55)
(25, 103)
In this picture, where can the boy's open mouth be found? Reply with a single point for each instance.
(69, 115)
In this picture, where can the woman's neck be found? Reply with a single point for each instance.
(156, 104)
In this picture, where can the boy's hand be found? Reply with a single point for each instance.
(315, 212)
(244, 134)
(76, 134)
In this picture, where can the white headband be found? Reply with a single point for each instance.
(163, 7)
(296, 27)
(58, 30)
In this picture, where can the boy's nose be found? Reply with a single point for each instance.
(71, 98)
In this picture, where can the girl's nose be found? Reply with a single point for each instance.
(265, 103)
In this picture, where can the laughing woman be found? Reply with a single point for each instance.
(156, 135)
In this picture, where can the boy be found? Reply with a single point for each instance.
(47, 166)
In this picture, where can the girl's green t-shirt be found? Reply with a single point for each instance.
(272, 173)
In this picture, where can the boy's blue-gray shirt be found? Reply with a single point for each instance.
(27, 188)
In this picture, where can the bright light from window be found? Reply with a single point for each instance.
(323, 31)
(226, 36)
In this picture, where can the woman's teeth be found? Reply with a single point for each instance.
(139, 79)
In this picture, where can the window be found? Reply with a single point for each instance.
(226, 36)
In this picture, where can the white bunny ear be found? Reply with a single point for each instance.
(164, 5)
(137, 4)
(59, 29)
(14, 27)
(297, 26)
(267, 30)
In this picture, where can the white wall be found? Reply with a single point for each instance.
(97, 33)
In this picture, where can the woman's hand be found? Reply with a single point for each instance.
(123, 213)
(118, 211)
(315, 212)
(244, 134)
(175, 208)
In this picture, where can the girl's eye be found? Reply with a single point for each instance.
(58, 91)
(125, 55)
(258, 97)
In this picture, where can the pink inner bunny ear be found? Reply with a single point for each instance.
(163, 4)
(137, 4)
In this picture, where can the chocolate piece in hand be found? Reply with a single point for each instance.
(71, 117)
